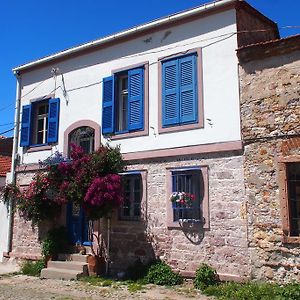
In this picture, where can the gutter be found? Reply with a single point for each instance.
(127, 33)
(14, 159)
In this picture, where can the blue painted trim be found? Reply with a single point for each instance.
(108, 104)
(186, 169)
(25, 134)
(136, 99)
(53, 120)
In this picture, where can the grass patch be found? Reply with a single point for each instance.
(254, 291)
(134, 287)
(97, 281)
(32, 268)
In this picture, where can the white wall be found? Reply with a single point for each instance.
(220, 83)
(3, 224)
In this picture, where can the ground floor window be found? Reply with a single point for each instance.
(186, 190)
(187, 196)
(293, 193)
(132, 194)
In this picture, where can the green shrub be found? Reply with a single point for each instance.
(32, 268)
(205, 276)
(55, 242)
(254, 291)
(161, 274)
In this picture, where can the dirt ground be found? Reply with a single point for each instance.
(23, 287)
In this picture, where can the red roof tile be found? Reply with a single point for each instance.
(5, 164)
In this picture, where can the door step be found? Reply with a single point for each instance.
(67, 267)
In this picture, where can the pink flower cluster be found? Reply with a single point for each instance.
(104, 191)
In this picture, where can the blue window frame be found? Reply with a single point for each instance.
(123, 102)
(39, 124)
(179, 91)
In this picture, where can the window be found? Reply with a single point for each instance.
(186, 183)
(293, 191)
(187, 196)
(179, 91)
(40, 123)
(132, 193)
(83, 137)
(123, 102)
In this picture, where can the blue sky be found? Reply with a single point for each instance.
(32, 29)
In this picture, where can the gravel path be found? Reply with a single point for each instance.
(24, 287)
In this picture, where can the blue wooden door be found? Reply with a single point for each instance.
(77, 225)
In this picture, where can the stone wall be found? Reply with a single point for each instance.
(224, 245)
(270, 118)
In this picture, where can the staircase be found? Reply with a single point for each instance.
(67, 267)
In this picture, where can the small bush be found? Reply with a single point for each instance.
(254, 291)
(32, 268)
(161, 274)
(205, 276)
(55, 242)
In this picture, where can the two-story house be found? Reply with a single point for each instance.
(167, 92)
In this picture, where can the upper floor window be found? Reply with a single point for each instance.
(40, 123)
(123, 102)
(179, 91)
(83, 137)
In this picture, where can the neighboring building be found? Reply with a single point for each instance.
(270, 115)
(168, 93)
(5, 165)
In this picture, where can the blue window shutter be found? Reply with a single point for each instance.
(170, 93)
(108, 105)
(188, 89)
(136, 99)
(25, 126)
(53, 120)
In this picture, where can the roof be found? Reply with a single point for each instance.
(269, 48)
(129, 33)
(5, 164)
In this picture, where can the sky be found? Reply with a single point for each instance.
(32, 29)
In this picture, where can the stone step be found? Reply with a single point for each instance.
(73, 257)
(53, 273)
(69, 265)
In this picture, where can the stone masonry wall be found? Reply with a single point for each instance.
(224, 245)
(26, 239)
(270, 116)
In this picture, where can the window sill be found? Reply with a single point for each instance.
(290, 239)
(177, 128)
(118, 136)
(36, 148)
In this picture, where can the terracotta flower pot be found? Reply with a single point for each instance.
(96, 265)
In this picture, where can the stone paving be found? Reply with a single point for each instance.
(23, 287)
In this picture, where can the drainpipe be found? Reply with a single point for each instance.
(14, 158)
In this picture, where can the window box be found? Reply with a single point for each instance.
(188, 202)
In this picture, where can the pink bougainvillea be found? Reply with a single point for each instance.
(90, 180)
(102, 189)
